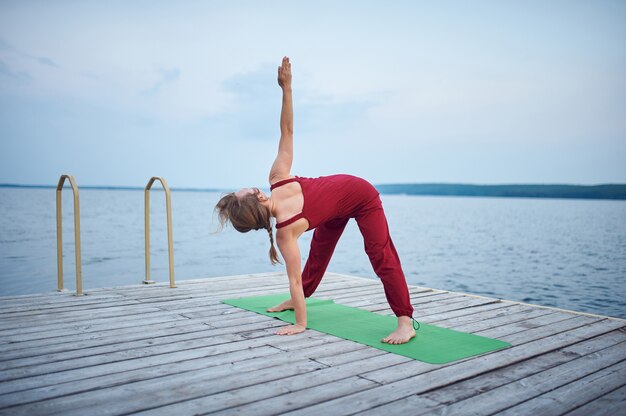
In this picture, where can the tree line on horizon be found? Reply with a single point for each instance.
(608, 191)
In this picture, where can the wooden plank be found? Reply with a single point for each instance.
(295, 400)
(324, 288)
(22, 333)
(153, 344)
(407, 406)
(138, 396)
(374, 289)
(117, 336)
(610, 404)
(151, 291)
(542, 326)
(47, 391)
(467, 312)
(562, 378)
(114, 336)
(169, 295)
(188, 342)
(485, 319)
(360, 354)
(10, 302)
(349, 293)
(252, 355)
(440, 376)
(86, 303)
(52, 298)
(27, 306)
(149, 294)
(575, 394)
(427, 311)
(506, 314)
(460, 391)
(237, 291)
(144, 296)
(251, 397)
(206, 285)
(71, 374)
(209, 288)
(498, 323)
(141, 395)
(217, 296)
(496, 378)
(363, 278)
(190, 282)
(136, 340)
(547, 307)
(17, 325)
(44, 355)
(379, 298)
(466, 303)
(95, 325)
(52, 336)
(301, 341)
(517, 331)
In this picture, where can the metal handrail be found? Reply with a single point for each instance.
(79, 279)
(170, 241)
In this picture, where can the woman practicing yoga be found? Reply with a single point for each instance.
(325, 204)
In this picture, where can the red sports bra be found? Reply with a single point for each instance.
(298, 215)
(329, 197)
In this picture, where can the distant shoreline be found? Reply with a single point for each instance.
(604, 191)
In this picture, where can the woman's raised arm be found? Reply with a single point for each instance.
(282, 165)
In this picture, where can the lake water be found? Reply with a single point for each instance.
(565, 253)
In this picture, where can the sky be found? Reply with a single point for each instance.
(484, 92)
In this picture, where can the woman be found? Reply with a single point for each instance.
(325, 204)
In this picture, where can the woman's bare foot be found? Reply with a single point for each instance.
(403, 333)
(286, 305)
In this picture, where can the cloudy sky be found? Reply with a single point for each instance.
(394, 91)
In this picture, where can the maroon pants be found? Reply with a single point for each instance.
(378, 246)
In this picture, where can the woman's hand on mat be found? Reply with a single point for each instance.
(286, 305)
(284, 74)
(291, 330)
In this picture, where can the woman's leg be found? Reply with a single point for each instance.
(325, 238)
(383, 256)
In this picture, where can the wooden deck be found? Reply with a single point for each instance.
(161, 351)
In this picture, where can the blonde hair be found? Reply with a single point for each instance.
(247, 213)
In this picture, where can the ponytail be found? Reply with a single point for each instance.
(273, 254)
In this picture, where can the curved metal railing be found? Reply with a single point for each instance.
(79, 281)
(170, 241)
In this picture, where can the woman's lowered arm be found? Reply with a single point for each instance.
(288, 245)
(282, 165)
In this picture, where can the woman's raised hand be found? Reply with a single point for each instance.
(284, 74)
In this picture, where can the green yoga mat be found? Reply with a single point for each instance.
(432, 344)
